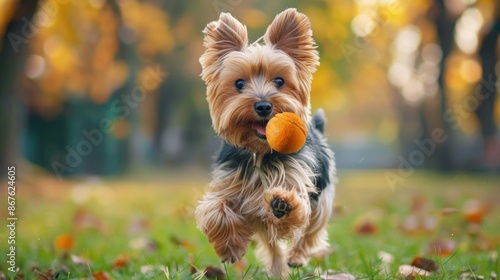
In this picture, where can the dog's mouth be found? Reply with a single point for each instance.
(259, 127)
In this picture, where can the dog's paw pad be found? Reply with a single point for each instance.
(280, 207)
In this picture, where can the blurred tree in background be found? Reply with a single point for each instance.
(96, 86)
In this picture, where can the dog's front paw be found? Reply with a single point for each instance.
(280, 207)
(231, 254)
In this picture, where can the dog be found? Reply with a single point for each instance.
(284, 200)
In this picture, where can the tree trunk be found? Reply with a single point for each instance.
(12, 57)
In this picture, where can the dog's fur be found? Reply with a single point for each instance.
(256, 191)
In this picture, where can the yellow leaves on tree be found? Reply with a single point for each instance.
(6, 12)
(150, 25)
(76, 49)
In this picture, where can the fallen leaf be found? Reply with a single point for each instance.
(474, 211)
(442, 247)
(80, 261)
(143, 243)
(385, 257)
(424, 263)
(410, 271)
(366, 227)
(64, 242)
(121, 261)
(214, 273)
(182, 243)
(101, 275)
(46, 275)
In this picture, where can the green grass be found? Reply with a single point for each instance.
(164, 204)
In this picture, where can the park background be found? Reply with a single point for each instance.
(101, 100)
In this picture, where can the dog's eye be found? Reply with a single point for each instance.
(239, 84)
(279, 82)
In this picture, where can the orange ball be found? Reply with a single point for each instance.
(286, 133)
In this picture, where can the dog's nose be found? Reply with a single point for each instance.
(263, 108)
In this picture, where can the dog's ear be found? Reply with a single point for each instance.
(291, 32)
(222, 37)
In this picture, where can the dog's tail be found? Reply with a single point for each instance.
(319, 120)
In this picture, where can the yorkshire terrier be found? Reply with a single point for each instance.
(285, 200)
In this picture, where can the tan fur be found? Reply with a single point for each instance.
(237, 204)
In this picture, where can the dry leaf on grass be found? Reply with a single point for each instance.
(80, 261)
(143, 243)
(366, 227)
(101, 275)
(385, 257)
(182, 243)
(64, 242)
(406, 270)
(474, 211)
(46, 275)
(214, 273)
(121, 261)
(442, 247)
(424, 263)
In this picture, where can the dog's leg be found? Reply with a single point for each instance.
(219, 216)
(272, 254)
(287, 212)
(315, 238)
(227, 230)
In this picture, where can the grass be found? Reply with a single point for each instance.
(142, 227)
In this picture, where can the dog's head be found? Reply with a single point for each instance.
(248, 84)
